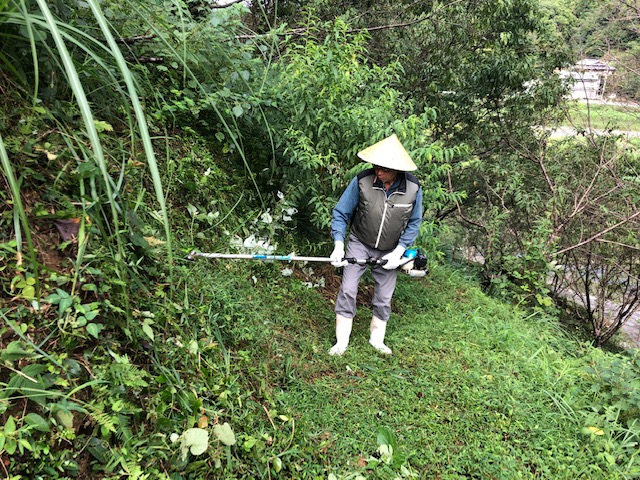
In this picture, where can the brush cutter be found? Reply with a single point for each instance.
(413, 263)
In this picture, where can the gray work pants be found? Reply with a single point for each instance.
(385, 282)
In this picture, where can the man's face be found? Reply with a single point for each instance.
(385, 175)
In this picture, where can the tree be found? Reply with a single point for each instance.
(471, 61)
(609, 30)
(596, 230)
(328, 102)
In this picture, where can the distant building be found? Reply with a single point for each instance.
(588, 78)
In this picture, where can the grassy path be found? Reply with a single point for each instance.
(473, 390)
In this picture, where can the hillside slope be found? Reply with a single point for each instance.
(234, 381)
(474, 389)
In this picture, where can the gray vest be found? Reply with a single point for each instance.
(379, 221)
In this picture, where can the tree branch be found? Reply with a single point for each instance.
(303, 31)
(598, 235)
(136, 39)
(468, 220)
(232, 2)
(623, 245)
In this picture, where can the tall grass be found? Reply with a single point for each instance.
(141, 122)
(18, 13)
(88, 118)
(150, 17)
(21, 222)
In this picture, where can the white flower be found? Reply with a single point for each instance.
(287, 272)
(236, 241)
(288, 213)
(266, 218)
(280, 195)
(208, 172)
(250, 242)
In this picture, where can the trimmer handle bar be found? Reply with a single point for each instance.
(292, 258)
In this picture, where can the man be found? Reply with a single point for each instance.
(382, 207)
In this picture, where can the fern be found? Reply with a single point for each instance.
(135, 471)
(102, 419)
(127, 375)
(124, 433)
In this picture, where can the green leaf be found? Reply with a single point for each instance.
(94, 329)
(65, 301)
(37, 422)
(193, 211)
(102, 126)
(10, 426)
(592, 431)
(16, 350)
(385, 437)
(38, 35)
(224, 434)
(65, 418)
(195, 440)
(238, 110)
(80, 322)
(29, 292)
(31, 383)
(146, 328)
(386, 453)
(10, 446)
(25, 443)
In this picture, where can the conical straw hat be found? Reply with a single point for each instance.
(388, 153)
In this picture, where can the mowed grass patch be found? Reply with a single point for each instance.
(474, 389)
(599, 116)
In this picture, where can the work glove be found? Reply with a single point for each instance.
(393, 258)
(337, 256)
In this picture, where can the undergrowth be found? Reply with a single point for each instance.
(120, 359)
(474, 389)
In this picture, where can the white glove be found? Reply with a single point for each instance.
(393, 258)
(337, 255)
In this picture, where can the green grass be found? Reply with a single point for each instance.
(475, 389)
(602, 116)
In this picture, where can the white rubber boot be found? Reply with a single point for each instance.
(378, 330)
(343, 331)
